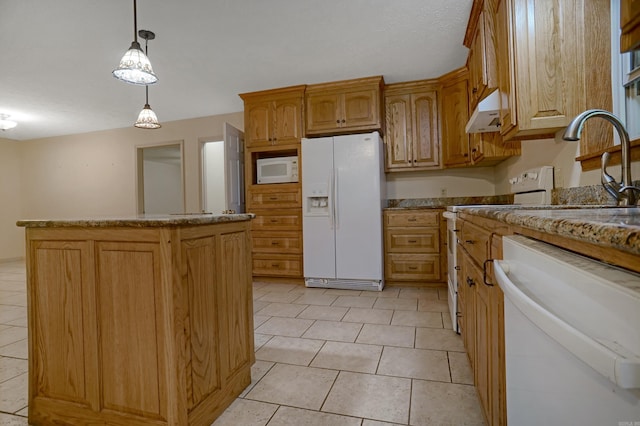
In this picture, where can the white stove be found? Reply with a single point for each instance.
(532, 187)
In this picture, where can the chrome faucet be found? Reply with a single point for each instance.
(624, 192)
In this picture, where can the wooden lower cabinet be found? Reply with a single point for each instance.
(138, 326)
(414, 246)
(482, 306)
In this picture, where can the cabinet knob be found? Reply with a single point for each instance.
(466, 154)
(344, 121)
(338, 121)
(470, 282)
(457, 268)
(474, 90)
(474, 150)
(498, 124)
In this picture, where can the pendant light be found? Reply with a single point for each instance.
(5, 123)
(147, 119)
(134, 66)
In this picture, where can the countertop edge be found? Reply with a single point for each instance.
(136, 221)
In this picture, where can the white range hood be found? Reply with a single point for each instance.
(486, 116)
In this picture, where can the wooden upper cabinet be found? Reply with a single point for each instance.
(630, 25)
(273, 117)
(553, 63)
(412, 125)
(344, 106)
(480, 39)
(455, 114)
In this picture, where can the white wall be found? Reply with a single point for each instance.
(11, 237)
(94, 173)
(162, 187)
(455, 183)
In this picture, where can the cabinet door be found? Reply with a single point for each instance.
(424, 123)
(504, 47)
(399, 133)
(475, 61)
(323, 112)
(482, 372)
(630, 25)
(360, 109)
(468, 307)
(288, 121)
(259, 126)
(455, 115)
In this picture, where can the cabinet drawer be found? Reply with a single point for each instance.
(412, 240)
(275, 199)
(412, 218)
(475, 241)
(424, 267)
(277, 265)
(277, 242)
(277, 220)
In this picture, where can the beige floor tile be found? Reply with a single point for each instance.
(19, 322)
(281, 310)
(12, 335)
(417, 319)
(292, 327)
(288, 416)
(289, 350)
(10, 420)
(258, 320)
(279, 297)
(408, 304)
(17, 299)
(258, 370)
(460, 368)
(367, 422)
(279, 287)
(370, 396)
(391, 292)
(12, 367)
(246, 413)
(371, 316)
(301, 290)
(419, 293)
(19, 349)
(414, 364)
(258, 305)
(10, 313)
(443, 293)
(316, 299)
(433, 305)
(295, 386)
(257, 285)
(431, 404)
(439, 339)
(14, 394)
(355, 357)
(329, 313)
(446, 320)
(387, 335)
(354, 301)
(340, 292)
(260, 339)
(257, 294)
(13, 285)
(333, 330)
(24, 412)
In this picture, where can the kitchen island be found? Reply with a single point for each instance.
(144, 320)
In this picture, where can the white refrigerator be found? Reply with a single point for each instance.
(343, 190)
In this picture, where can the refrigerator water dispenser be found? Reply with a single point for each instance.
(317, 205)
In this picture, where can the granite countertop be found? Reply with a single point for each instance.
(139, 221)
(616, 227)
(433, 203)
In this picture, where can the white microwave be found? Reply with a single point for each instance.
(277, 170)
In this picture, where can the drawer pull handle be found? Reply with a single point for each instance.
(484, 272)
(470, 282)
(413, 268)
(411, 219)
(469, 241)
(457, 268)
(275, 265)
(273, 198)
(413, 241)
(275, 243)
(274, 220)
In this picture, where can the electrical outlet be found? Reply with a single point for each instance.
(443, 192)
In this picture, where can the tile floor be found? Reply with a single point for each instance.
(323, 357)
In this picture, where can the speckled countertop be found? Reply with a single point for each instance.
(141, 221)
(421, 203)
(616, 227)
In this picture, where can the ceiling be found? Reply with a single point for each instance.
(57, 57)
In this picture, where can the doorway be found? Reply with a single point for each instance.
(160, 179)
(223, 173)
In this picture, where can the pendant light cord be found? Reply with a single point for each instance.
(135, 22)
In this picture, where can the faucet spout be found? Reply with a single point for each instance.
(624, 192)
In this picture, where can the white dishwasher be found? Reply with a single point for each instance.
(572, 337)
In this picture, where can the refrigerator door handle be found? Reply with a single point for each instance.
(330, 201)
(336, 207)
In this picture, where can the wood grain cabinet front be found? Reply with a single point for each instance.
(630, 25)
(413, 240)
(347, 106)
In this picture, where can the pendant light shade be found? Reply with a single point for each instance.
(135, 67)
(5, 123)
(147, 119)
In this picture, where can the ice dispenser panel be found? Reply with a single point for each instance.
(317, 202)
